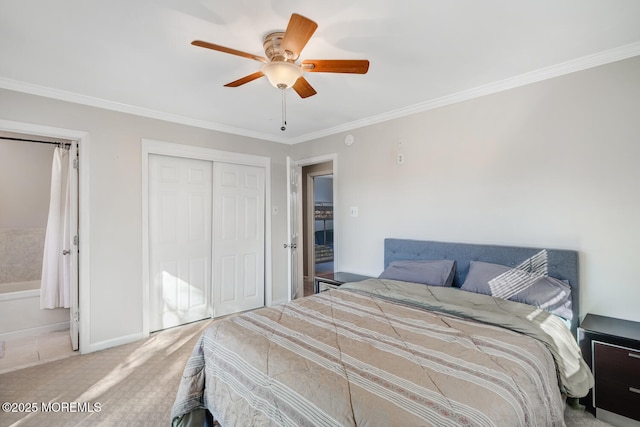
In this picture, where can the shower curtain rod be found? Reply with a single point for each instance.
(60, 143)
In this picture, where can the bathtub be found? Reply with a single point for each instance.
(20, 313)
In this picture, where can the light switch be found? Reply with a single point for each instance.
(354, 211)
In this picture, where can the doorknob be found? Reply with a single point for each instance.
(66, 252)
(292, 246)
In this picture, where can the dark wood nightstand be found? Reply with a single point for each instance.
(326, 281)
(611, 348)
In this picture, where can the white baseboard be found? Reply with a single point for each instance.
(31, 332)
(276, 302)
(114, 342)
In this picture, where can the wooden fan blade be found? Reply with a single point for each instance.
(303, 88)
(245, 79)
(219, 48)
(298, 32)
(353, 66)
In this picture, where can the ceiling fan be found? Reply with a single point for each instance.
(282, 50)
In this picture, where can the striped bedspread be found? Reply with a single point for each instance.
(347, 357)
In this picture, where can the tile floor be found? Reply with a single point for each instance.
(29, 351)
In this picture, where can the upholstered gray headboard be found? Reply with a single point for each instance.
(561, 263)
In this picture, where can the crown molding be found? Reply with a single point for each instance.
(77, 98)
(568, 67)
(579, 64)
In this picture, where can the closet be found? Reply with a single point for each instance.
(206, 236)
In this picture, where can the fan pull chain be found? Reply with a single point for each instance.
(284, 111)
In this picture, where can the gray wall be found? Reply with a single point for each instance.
(25, 183)
(551, 164)
(115, 311)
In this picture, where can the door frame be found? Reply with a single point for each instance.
(311, 225)
(150, 146)
(333, 157)
(82, 138)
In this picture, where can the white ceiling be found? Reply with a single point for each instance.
(135, 55)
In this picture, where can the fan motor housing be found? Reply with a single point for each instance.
(272, 50)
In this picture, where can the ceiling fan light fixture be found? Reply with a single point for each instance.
(282, 74)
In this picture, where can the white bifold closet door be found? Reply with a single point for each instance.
(180, 202)
(206, 239)
(238, 238)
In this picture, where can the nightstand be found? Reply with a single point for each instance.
(326, 281)
(611, 348)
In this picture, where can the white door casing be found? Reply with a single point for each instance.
(238, 238)
(180, 207)
(73, 232)
(294, 231)
(294, 219)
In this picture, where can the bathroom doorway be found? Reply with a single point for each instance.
(26, 190)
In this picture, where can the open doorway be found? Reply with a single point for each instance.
(318, 221)
(323, 224)
(80, 336)
(28, 229)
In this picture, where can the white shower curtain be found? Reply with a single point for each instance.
(55, 290)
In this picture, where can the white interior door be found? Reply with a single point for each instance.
(239, 238)
(294, 229)
(180, 209)
(73, 232)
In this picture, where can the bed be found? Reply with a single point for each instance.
(402, 349)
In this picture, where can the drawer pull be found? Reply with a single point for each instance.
(634, 355)
(634, 390)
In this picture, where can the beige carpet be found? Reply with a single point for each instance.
(133, 384)
(130, 385)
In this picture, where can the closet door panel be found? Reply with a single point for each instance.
(180, 249)
(238, 243)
